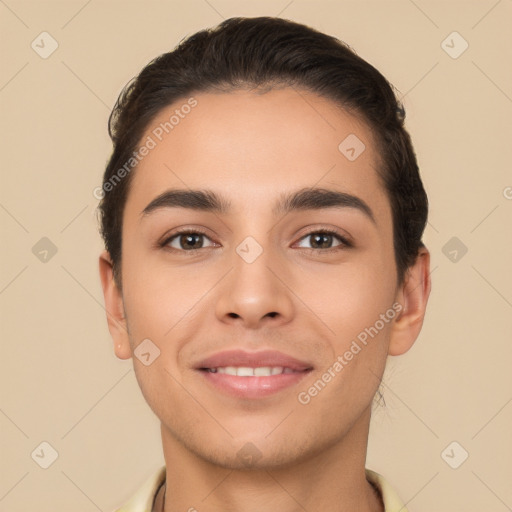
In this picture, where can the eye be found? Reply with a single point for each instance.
(189, 240)
(186, 240)
(323, 240)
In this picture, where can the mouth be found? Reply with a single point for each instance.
(247, 371)
(252, 375)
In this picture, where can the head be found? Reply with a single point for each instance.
(254, 111)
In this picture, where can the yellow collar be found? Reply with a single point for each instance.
(142, 501)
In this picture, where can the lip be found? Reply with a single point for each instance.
(253, 360)
(252, 387)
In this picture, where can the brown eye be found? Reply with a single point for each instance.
(186, 241)
(321, 240)
(324, 240)
(190, 241)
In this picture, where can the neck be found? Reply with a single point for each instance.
(330, 480)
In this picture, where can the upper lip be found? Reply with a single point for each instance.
(253, 360)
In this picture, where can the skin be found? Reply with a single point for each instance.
(252, 147)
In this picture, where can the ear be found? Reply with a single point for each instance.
(114, 307)
(413, 296)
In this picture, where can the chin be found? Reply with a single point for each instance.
(258, 452)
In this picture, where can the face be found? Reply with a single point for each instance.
(310, 286)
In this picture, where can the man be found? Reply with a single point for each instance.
(262, 214)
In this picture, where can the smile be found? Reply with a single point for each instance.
(251, 375)
(245, 371)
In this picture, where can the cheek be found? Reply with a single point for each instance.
(159, 384)
(359, 313)
(351, 297)
(155, 296)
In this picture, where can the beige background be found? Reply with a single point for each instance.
(60, 380)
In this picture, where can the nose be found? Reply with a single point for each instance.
(255, 294)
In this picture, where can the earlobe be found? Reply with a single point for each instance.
(114, 308)
(413, 296)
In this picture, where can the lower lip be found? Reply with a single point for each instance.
(253, 387)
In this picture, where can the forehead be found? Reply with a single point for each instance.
(251, 147)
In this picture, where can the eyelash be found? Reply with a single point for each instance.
(344, 242)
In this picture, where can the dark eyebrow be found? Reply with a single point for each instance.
(304, 199)
(318, 199)
(205, 200)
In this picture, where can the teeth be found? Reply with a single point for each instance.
(265, 371)
(244, 371)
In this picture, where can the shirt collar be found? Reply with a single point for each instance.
(143, 499)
